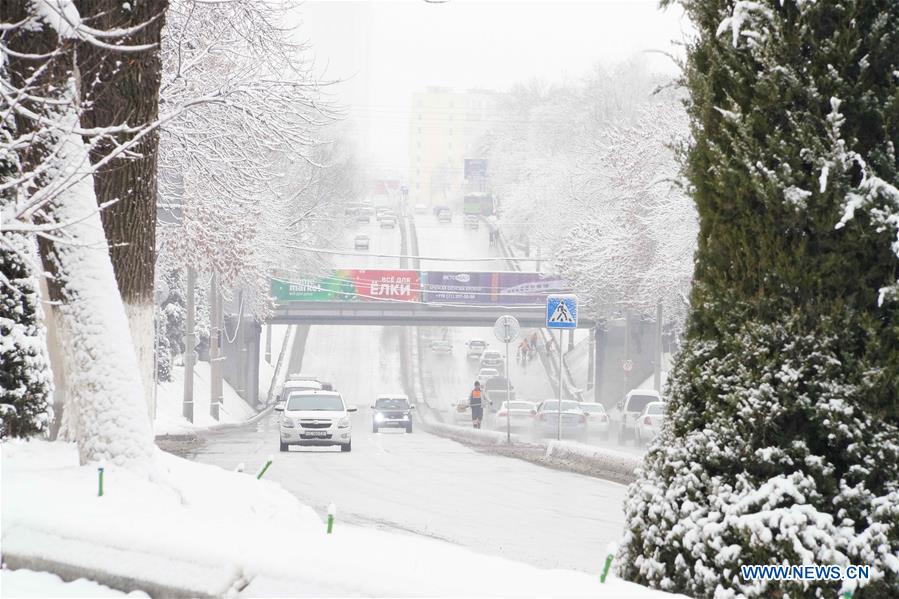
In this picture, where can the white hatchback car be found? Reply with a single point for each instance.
(486, 373)
(649, 422)
(598, 423)
(314, 417)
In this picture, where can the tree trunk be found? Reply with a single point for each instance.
(95, 354)
(124, 88)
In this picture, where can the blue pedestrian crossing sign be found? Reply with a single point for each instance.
(561, 312)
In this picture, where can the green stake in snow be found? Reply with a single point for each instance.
(611, 550)
(605, 568)
(332, 513)
(100, 480)
(264, 468)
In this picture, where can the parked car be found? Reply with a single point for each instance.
(388, 221)
(315, 417)
(629, 409)
(472, 221)
(298, 384)
(497, 390)
(445, 216)
(364, 214)
(519, 413)
(441, 346)
(421, 209)
(391, 411)
(649, 422)
(474, 348)
(362, 242)
(302, 376)
(484, 374)
(493, 359)
(597, 420)
(574, 420)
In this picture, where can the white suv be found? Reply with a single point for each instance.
(313, 417)
(629, 409)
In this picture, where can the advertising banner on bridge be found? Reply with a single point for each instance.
(396, 285)
(350, 284)
(302, 289)
(456, 287)
(451, 287)
(498, 288)
(526, 287)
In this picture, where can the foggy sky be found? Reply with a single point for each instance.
(383, 51)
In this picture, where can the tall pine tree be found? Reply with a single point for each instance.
(25, 379)
(782, 444)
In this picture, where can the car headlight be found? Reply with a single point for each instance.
(405, 416)
(343, 422)
(286, 422)
(379, 417)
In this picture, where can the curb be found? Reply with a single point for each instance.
(118, 568)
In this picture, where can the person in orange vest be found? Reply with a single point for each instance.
(476, 402)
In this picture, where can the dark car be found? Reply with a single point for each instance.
(391, 411)
(496, 391)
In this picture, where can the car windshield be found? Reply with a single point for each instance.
(492, 355)
(656, 409)
(520, 405)
(391, 403)
(317, 403)
(476, 344)
(593, 408)
(638, 402)
(552, 405)
(488, 371)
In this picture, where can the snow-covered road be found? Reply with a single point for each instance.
(420, 483)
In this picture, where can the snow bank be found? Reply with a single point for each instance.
(26, 583)
(169, 398)
(214, 532)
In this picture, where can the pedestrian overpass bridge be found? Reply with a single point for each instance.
(415, 298)
(408, 314)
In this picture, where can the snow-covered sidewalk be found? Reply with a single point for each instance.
(204, 531)
(170, 396)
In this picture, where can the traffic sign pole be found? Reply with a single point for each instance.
(561, 313)
(560, 385)
(506, 329)
(508, 398)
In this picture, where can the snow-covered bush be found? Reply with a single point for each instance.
(782, 444)
(25, 381)
(770, 459)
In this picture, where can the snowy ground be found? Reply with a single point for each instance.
(170, 397)
(208, 530)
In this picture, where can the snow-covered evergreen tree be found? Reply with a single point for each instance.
(782, 444)
(25, 381)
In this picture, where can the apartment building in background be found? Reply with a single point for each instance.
(444, 129)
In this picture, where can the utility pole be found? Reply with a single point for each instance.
(215, 347)
(627, 346)
(657, 374)
(190, 343)
(268, 342)
(591, 360)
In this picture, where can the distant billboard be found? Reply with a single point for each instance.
(350, 284)
(475, 168)
(499, 288)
